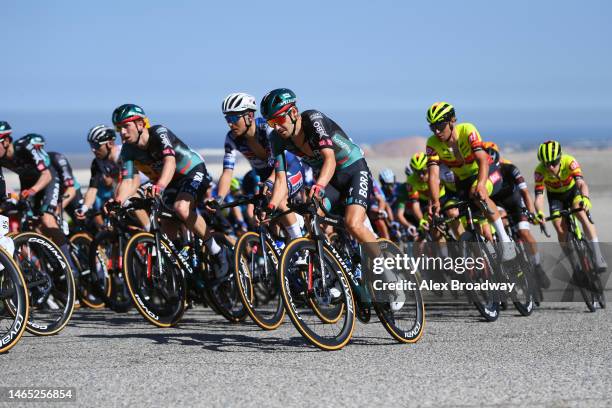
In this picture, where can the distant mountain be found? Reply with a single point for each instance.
(403, 147)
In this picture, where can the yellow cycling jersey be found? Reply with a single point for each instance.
(418, 190)
(463, 162)
(565, 181)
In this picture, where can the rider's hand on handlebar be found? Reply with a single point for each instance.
(80, 212)
(28, 192)
(317, 191)
(434, 208)
(539, 217)
(155, 190)
(263, 214)
(213, 204)
(110, 204)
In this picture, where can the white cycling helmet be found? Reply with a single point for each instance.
(386, 176)
(238, 102)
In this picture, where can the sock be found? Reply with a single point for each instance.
(536, 258)
(294, 230)
(212, 246)
(500, 230)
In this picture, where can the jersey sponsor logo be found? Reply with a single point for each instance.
(325, 142)
(573, 165)
(473, 137)
(163, 137)
(495, 176)
(315, 115)
(430, 152)
(538, 177)
(363, 184)
(320, 129)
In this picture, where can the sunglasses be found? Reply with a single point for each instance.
(278, 120)
(553, 163)
(96, 146)
(438, 127)
(232, 119)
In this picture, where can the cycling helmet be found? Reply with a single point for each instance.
(493, 150)
(5, 129)
(277, 101)
(549, 152)
(386, 176)
(100, 134)
(34, 139)
(418, 161)
(238, 102)
(440, 112)
(128, 113)
(408, 170)
(234, 185)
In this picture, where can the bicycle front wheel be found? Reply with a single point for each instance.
(406, 323)
(49, 280)
(14, 308)
(257, 280)
(303, 283)
(159, 294)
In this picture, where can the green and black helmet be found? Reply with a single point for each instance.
(549, 152)
(128, 113)
(276, 102)
(440, 112)
(5, 129)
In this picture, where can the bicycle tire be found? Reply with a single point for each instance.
(14, 302)
(160, 303)
(389, 318)
(81, 259)
(51, 266)
(266, 317)
(585, 260)
(298, 316)
(523, 297)
(112, 289)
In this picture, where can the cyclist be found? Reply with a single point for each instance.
(170, 164)
(560, 175)
(459, 146)
(515, 199)
(397, 196)
(249, 135)
(337, 161)
(39, 181)
(379, 211)
(70, 189)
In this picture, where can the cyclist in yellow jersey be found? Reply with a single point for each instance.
(560, 175)
(459, 146)
(418, 192)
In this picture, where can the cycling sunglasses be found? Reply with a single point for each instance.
(440, 126)
(278, 120)
(232, 119)
(96, 146)
(554, 162)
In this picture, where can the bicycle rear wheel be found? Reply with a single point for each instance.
(258, 283)
(106, 263)
(14, 307)
(406, 324)
(80, 245)
(518, 272)
(159, 295)
(326, 292)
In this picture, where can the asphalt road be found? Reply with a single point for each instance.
(560, 356)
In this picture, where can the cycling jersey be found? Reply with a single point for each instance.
(462, 162)
(569, 172)
(418, 190)
(512, 179)
(64, 170)
(104, 168)
(320, 132)
(263, 167)
(162, 143)
(29, 160)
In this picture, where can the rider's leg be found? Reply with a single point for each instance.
(591, 235)
(290, 222)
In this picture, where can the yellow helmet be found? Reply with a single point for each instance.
(549, 152)
(440, 112)
(418, 161)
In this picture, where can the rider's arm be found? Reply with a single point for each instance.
(43, 180)
(433, 183)
(167, 171)
(224, 183)
(415, 209)
(280, 189)
(90, 196)
(387, 208)
(328, 168)
(483, 167)
(69, 195)
(582, 186)
(401, 218)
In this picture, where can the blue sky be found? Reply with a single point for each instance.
(511, 67)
